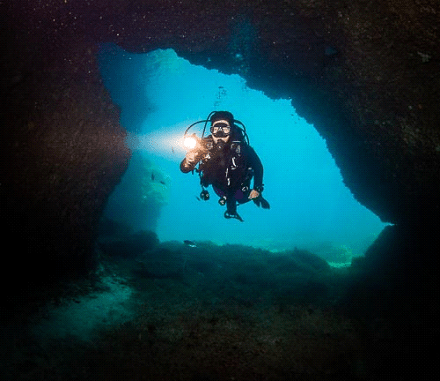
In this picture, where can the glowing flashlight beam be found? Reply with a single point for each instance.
(190, 142)
(169, 145)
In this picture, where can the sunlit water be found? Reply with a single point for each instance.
(161, 94)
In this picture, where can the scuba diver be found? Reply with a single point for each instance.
(227, 162)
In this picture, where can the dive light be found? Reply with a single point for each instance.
(195, 144)
(191, 142)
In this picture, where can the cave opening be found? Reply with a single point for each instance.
(160, 95)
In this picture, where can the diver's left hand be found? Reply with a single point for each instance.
(254, 194)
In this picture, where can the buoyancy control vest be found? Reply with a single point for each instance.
(226, 168)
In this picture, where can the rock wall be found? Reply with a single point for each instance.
(365, 73)
(62, 149)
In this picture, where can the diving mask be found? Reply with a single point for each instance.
(220, 129)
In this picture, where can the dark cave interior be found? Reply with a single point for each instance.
(371, 68)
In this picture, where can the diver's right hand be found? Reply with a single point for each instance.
(192, 157)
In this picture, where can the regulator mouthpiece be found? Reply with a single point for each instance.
(220, 145)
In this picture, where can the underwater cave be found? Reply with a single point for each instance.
(117, 271)
(160, 95)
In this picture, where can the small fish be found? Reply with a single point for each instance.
(189, 243)
(152, 176)
(162, 182)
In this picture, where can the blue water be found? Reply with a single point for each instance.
(161, 94)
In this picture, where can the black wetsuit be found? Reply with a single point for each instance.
(229, 170)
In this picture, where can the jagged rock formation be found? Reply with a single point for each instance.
(365, 73)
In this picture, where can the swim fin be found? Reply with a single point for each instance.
(260, 201)
(233, 215)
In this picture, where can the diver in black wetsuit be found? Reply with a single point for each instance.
(228, 163)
